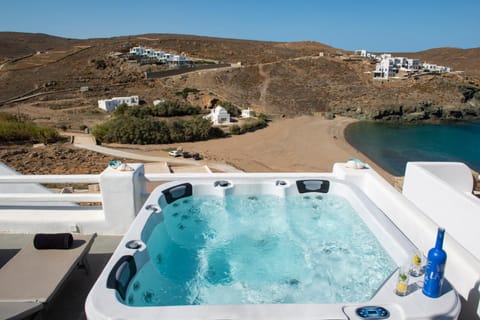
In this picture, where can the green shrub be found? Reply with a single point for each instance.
(165, 109)
(235, 129)
(148, 130)
(100, 132)
(250, 126)
(13, 129)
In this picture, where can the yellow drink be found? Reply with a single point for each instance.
(402, 288)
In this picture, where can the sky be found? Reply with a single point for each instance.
(378, 26)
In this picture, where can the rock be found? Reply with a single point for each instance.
(415, 116)
(454, 114)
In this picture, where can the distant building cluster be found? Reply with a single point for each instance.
(388, 66)
(160, 56)
(113, 103)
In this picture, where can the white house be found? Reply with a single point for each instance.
(386, 68)
(159, 55)
(361, 53)
(150, 53)
(435, 68)
(178, 59)
(248, 113)
(218, 116)
(413, 64)
(138, 51)
(168, 57)
(365, 54)
(113, 103)
(389, 66)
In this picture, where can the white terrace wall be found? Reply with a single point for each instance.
(27, 210)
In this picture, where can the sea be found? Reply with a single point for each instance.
(392, 145)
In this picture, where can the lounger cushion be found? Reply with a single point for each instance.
(35, 275)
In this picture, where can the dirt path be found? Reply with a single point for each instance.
(265, 84)
(87, 145)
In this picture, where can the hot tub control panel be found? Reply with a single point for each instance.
(373, 312)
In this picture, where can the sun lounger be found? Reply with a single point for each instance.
(31, 278)
(19, 310)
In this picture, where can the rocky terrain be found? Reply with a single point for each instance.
(59, 158)
(278, 78)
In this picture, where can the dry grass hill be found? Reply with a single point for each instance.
(45, 73)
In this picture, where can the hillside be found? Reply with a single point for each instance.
(277, 78)
(16, 44)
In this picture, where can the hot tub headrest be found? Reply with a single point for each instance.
(121, 274)
(177, 192)
(53, 241)
(304, 186)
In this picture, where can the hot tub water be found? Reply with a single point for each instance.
(257, 249)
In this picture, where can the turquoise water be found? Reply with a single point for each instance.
(392, 145)
(260, 249)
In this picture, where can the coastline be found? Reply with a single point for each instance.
(301, 144)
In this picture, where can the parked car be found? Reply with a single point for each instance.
(187, 154)
(196, 156)
(174, 153)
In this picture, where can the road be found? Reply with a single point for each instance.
(84, 141)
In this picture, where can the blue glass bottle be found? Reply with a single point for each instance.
(436, 260)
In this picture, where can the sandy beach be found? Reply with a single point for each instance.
(301, 144)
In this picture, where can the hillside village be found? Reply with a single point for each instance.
(390, 67)
(159, 56)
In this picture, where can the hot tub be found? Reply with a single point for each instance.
(280, 248)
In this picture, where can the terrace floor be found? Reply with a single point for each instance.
(69, 303)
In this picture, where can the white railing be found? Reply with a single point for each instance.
(27, 207)
(26, 197)
(51, 197)
(48, 178)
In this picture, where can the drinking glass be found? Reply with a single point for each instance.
(401, 288)
(416, 269)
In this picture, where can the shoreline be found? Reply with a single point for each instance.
(305, 143)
